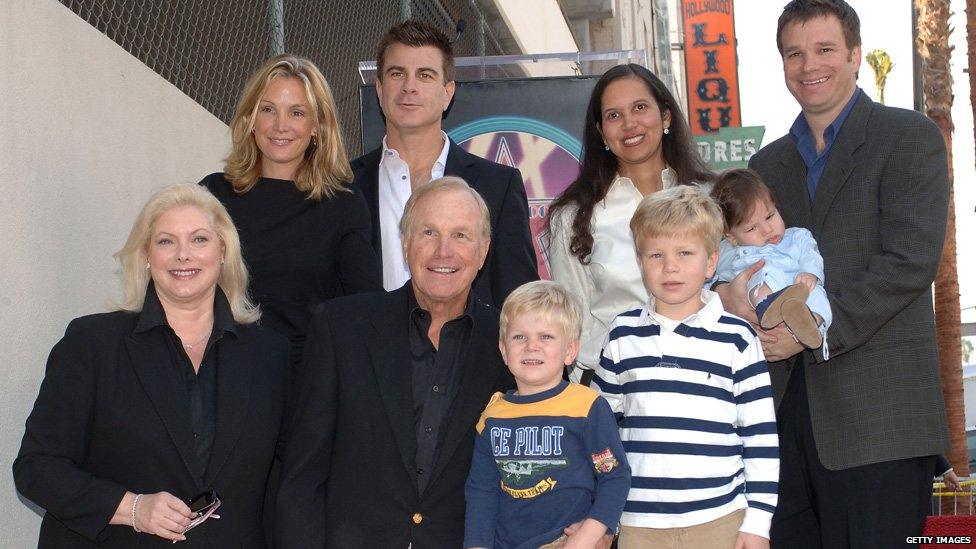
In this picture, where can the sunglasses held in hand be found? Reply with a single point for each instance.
(203, 506)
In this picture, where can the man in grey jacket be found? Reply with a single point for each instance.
(861, 418)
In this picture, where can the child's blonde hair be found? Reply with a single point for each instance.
(680, 210)
(544, 297)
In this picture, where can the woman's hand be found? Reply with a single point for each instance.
(161, 514)
(164, 515)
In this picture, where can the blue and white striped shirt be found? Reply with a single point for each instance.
(696, 417)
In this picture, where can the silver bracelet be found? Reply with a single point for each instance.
(135, 502)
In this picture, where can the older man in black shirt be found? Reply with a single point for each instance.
(392, 387)
(435, 378)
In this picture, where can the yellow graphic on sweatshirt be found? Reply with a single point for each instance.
(543, 486)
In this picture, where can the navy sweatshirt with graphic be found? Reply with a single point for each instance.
(542, 462)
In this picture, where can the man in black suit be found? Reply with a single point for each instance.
(415, 86)
(860, 418)
(392, 388)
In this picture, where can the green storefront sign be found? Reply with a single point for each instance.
(730, 147)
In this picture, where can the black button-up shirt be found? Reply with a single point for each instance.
(436, 374)
(200, 386)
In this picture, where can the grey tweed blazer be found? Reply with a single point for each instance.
(879, 217)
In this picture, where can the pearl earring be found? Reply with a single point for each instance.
(667, 131)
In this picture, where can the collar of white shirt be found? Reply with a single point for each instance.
(624, 184)
(437, 170)
(707, 316)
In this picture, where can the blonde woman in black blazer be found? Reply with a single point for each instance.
(287, 186)
(179, 393)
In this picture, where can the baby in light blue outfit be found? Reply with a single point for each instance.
(789, 287)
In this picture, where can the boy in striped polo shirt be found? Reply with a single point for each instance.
(690, 388)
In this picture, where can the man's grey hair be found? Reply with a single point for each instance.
(446, 183)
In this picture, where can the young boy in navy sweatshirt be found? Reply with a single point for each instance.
(547, 458)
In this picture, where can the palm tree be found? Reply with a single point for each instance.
(932, 25)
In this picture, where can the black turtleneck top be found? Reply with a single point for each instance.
(299, 251)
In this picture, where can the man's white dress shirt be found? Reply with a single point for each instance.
(394, 190)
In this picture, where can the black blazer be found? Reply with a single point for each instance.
(112, 416)
(511, 258)
(879, 217)
(349, 478)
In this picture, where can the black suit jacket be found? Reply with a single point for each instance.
(349, 477)
(879, 217)
(511, 258)
(112, 416)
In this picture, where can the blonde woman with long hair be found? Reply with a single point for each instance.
(304, 231)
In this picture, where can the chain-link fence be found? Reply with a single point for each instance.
(208, 48)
